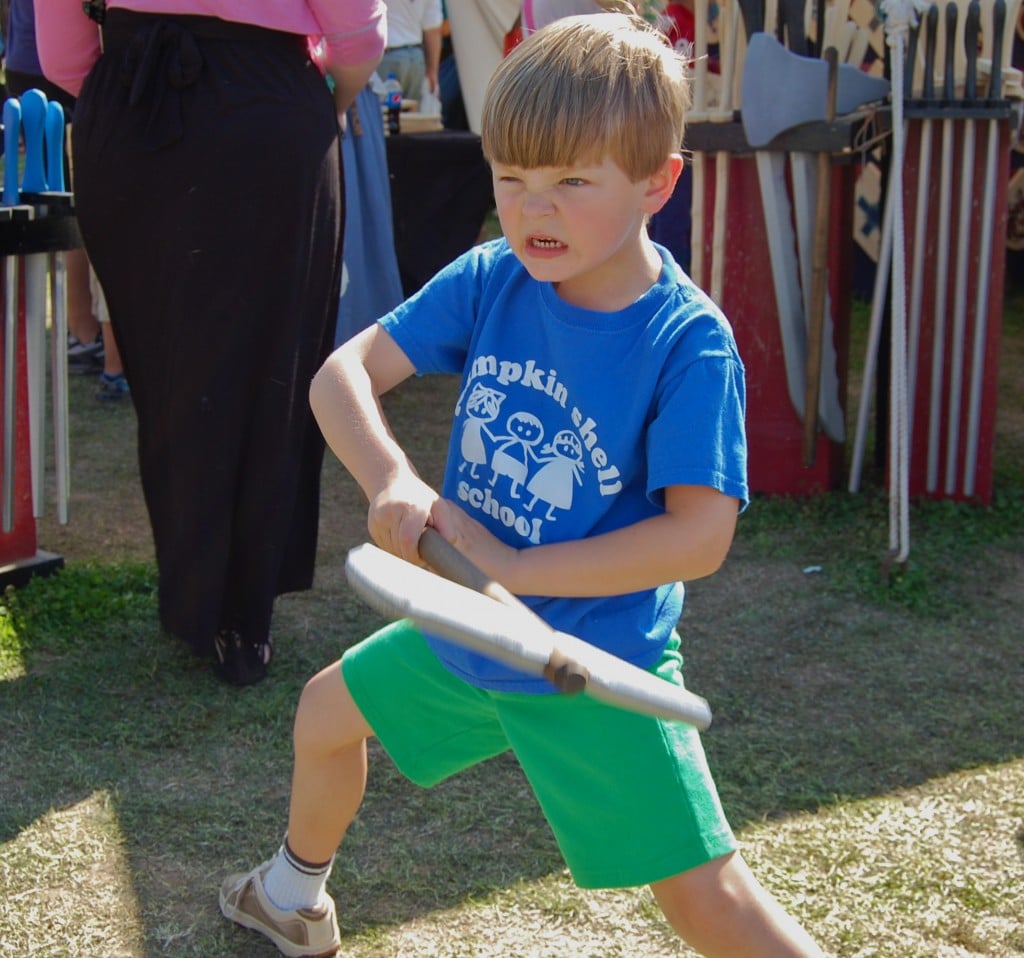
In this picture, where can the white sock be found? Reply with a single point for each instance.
(292, 883)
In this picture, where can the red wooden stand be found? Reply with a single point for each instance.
(774, 429)
(941, 465)
(20, 557)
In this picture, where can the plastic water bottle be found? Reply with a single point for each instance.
(393, 103)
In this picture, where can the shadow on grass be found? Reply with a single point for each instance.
(828, 698)
(198, 773)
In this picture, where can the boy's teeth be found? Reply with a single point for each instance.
(546, 242)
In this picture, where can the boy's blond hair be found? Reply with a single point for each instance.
(583, 88)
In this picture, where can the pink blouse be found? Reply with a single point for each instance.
(353, 31)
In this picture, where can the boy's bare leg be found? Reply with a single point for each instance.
(329, 775)
(283, 899)
(721, 910)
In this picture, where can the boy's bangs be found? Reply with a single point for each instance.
(566, 131)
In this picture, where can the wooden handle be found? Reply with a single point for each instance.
(949, 67)
(931, 32)
(972, 30)
(819, 276)
(446, 560)
(563, 672)
(995, 85)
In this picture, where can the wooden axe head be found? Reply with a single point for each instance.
(782, 90)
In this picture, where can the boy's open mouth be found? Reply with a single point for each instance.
(544, 242)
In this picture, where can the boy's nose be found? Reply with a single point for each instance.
(537, 203)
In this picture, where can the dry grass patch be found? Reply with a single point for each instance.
(934, 870)
(66, 886)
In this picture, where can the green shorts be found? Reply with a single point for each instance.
(629, 798)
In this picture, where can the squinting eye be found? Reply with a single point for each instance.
(573, 181)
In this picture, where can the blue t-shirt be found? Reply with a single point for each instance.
(570, 423)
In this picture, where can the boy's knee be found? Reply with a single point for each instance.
(327, 718)
(721, 908)
(722, 887)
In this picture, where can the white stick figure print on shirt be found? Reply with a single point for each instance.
(559, 471)
(548, 481)
(482, 407)
(514, 452)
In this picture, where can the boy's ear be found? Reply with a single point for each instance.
(662, 183)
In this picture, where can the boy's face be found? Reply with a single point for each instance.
(583, 227)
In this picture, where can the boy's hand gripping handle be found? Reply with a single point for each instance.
(483, 616)
(561, 671)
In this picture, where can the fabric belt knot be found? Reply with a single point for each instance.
(160, 61)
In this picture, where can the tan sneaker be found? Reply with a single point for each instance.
(304, 933)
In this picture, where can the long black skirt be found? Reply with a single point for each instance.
(209, 195)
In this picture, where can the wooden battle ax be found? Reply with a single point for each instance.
(463, 604)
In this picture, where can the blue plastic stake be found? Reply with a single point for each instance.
(33, 122)
(55, 146)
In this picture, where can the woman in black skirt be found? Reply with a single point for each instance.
(208, 190)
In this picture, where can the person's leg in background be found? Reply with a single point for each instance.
(113, 385)
(408, 65)
(82, 322)
(453, 109)
(85, 339)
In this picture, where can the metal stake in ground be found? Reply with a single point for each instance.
(922, 204)
(899, 17)
(55, 133)
(35, 266)
(942, 255)
(985, 253)
(12, 135)
(964, 227)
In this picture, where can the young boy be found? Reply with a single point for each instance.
(597, 460)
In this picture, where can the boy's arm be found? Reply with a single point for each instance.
(688, 541)
(345, 398)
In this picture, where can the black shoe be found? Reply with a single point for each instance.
(85, 357)
(241, 661)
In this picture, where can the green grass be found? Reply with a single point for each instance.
(847, 536)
